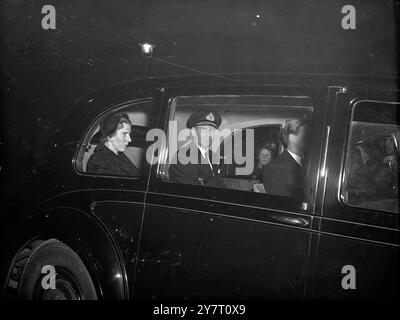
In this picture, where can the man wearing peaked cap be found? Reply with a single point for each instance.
(204, 117)
(199, 170)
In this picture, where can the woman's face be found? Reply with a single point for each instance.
(120, 140)
(264, 157)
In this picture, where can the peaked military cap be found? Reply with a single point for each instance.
(204, 118)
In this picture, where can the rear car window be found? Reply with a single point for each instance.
(370, 176)
(133, 158)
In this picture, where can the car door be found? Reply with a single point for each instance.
(204, 242)
(118, 200)
(358, 246)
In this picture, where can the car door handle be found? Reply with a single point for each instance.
(296, 221)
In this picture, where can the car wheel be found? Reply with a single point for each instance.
(55, 272)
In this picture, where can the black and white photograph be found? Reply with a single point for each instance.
(193, 156)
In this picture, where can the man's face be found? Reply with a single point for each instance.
(122, 138)
(299, 139)
(205, 135)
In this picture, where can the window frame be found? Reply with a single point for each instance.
(314, 97)
(336, 217)
(342, 185)
(130, 103)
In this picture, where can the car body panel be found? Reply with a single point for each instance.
(366, 239)
(177, 241)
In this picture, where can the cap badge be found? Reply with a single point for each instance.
(210, 117)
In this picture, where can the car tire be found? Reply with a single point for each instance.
(72, 280)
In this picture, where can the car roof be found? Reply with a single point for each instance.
(244, 79)
(96, 101)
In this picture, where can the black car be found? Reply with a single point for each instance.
(147, 237)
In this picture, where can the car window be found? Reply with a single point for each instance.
(131, 161)
(370, 176)
(245, 146)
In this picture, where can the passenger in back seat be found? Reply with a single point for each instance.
(108, 158)
(284, 175)
(265, 153)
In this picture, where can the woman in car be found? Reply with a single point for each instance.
(265, 154)
(108, 158)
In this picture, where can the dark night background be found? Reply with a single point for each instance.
(96, 42)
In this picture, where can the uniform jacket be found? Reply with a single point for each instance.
(196, 173)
